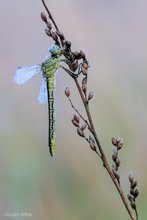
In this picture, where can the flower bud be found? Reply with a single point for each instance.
(80, 132)
(49, 25)
(43, 17)
(136, 193)
(131, 178)
(67, 92)
(90, 96)
(83, 127)
(75, 123)
(75, 117)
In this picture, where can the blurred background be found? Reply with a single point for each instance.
(73, 185)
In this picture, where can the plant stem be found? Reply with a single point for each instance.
(103, 157)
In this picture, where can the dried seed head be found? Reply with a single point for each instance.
(43, 17)
(83, 127)
(67, 92)
(80, 132)
(90, 96)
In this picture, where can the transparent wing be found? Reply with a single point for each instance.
(42, 97)
(24, 73)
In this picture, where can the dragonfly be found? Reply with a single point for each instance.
(48, 68)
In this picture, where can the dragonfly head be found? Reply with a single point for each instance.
(55, 51)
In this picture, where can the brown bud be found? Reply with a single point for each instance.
(84, 71)
(131, 178)
(117, 176)
(75, 123)
(83, 127)
(77, 55)
(82, 54)
(60, 35)
(74, 66)
(133, 205)
(132, 192)
(133, 184)
(80, 132)
(92, 143)
(130, 197)
(67, 92)
(90, 96)
(84, 87)
(54, 36)
(67, 44)
(85, 65)
(118, 142)
(114, 156)
(48, 32)
(43, 17)
(75, 117)
(136, 193)
(49, 25)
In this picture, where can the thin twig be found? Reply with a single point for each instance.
(50, 15)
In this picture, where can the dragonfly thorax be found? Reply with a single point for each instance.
(50, 66)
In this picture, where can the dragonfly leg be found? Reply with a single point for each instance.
(72, 74)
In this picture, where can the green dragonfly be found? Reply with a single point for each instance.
(49, 67)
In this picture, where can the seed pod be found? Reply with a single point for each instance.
(90, 96)
(114, 156)
(80, 132)
(60, 35)
(77, 55)
(74, 66)
(136, 193)
(114, 141)
(75, 117)
(133, 184)
(133, 205)
(48, 32)
(67, 92)
(54, 36)
(49, 25)
(75, 123)
(85, 65)
(84, 87)
(131, 178)
(68, 44)
(43, 17)
(129, 197)
(82, 54)
(84, 71)
(83, 127)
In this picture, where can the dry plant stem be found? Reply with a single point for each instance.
(103, 157)
(50, 15)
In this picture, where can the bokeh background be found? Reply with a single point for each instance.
(73, 185)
